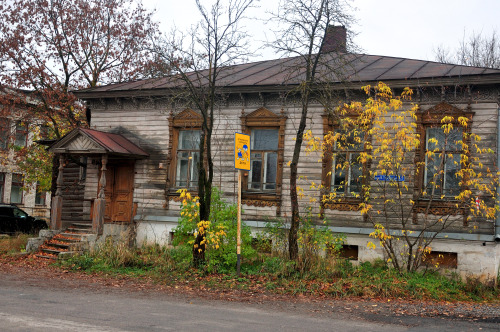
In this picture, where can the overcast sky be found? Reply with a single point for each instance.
(400, 28)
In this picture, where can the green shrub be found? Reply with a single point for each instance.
(221, 232)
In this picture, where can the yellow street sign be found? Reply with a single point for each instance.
(242, 151)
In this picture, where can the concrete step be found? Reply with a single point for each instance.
(44, 256)
(59, 245)
(82, 225)
(76, 236)
(78, 230)
(52, 251)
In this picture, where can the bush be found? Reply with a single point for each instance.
(314, 240)
(220, 233)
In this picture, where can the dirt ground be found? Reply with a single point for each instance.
(39, 272)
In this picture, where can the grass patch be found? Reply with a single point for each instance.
(336, 278)
(14, 244)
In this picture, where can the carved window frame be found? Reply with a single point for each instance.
(263, 118)
(428, 119)
(344, 203)
(187, 119)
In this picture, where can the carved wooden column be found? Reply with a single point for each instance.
(56, 205)
(100, 201)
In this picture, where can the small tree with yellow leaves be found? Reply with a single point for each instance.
(214, 239)
(410, 193)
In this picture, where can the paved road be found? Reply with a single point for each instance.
(30, 307)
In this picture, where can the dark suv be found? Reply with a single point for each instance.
(14, 220)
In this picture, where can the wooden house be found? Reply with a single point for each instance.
(140, 144)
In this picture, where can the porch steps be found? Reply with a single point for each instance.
(71, 241)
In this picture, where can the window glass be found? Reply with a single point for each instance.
(83, 168)
(264, 159)
(442, 166)
(39, 195)
(264, 139)
(19, 213)
(21, 136)
(270, 171)
(347, 170)
(188, 156)
(4, 133)
(189, 139)
(6, 211)
(16, 192)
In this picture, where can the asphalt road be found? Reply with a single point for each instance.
(28, 306)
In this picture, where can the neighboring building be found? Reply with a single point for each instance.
(146, 147)
(14, 134)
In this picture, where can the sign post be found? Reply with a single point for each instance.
(241, 163)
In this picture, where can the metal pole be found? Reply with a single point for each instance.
(238, 236)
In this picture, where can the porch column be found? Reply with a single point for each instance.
(100, 201)
(57, 200)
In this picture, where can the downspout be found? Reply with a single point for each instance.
(496, 236)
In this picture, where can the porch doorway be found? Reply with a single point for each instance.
(119, 192)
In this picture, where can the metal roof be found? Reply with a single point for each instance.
(114, 143)
(290, 71)
(103, 142)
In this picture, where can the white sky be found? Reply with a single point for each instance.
(400, 28)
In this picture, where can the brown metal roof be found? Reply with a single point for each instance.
(97, 142)
(289, 71)
(114, 143)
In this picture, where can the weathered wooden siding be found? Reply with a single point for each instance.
(145, 123)
(73, 195)
(147, 126)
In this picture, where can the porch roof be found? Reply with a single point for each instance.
(89, 141)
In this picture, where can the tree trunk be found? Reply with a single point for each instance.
(293, 247)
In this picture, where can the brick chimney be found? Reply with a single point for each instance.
(335, 39)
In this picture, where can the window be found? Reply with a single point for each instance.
(39, 195)
(16, 189)
(2, 186)
(183, 152)
(442, 161)
(21, 135)
(4, 133)
(188, 155)
(43, 131)
(264, 159)
(438, 160)
(343, 172)
(347, 170)
(262, 184)
(440, 152)
(82, 176)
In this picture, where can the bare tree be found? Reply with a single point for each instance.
(304, 26)
(476, 50)
(198, 58)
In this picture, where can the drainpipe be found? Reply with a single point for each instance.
(497, 221)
